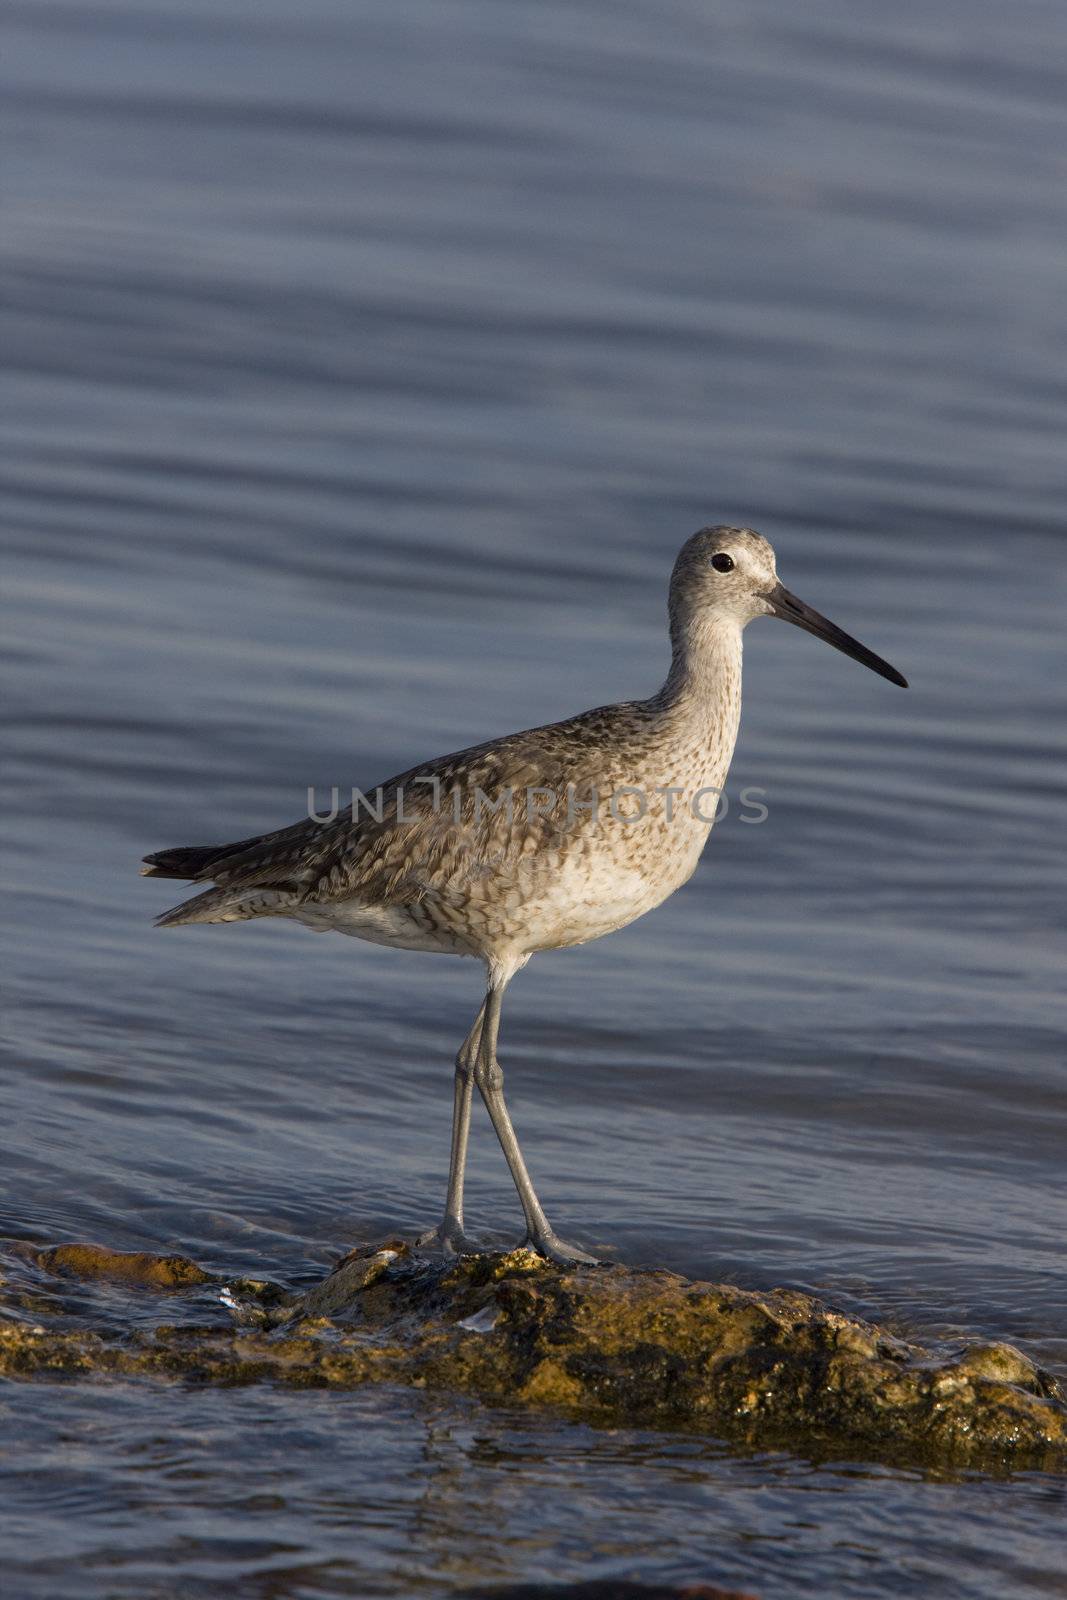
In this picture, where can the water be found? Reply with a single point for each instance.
(365, 369)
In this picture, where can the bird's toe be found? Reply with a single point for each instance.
(553, 1248)
(447, 1242)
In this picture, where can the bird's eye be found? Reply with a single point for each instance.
(722, 562)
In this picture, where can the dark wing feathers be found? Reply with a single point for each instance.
(190, 861)
(221, 861)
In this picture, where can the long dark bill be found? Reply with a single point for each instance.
(790, 609)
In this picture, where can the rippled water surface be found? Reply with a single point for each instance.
(365, 367)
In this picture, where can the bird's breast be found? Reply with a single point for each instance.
(598, 878)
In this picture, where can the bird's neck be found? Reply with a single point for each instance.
(700, 702)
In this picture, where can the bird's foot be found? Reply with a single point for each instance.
(448, 1241)
(553, 1248)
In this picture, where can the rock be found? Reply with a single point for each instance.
(613, 1346)
(356, 1272)
(123, 1266)
(259, 1303)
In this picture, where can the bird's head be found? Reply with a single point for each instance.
(730, 574)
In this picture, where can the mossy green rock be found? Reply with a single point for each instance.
(134, 1267)
(610, 1345)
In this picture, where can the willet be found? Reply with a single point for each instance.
(534, 841)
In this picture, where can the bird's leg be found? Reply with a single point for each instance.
(490, 1081)
(450, 1237)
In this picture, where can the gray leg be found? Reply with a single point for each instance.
(490, 1081)
(450, 1237)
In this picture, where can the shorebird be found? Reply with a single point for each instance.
(534, 841)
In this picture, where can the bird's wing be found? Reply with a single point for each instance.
(435, 828)
(474, 815)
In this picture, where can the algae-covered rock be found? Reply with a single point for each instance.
(777, 1368)
(121, 1266)
(608, 1344)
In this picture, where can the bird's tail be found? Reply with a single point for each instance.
(253, 877)
(229, 905)
(192, 860)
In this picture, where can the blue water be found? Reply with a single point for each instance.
(365, 368)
